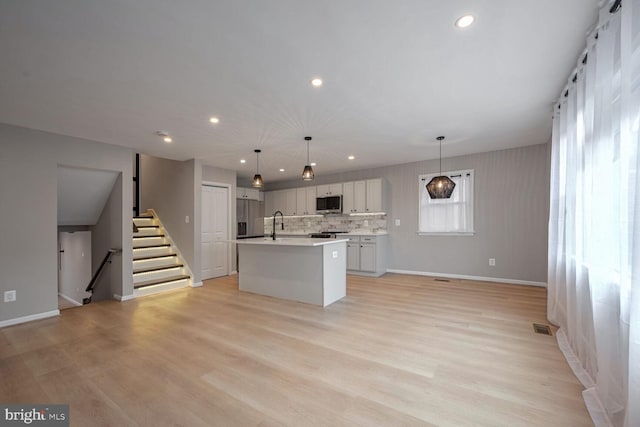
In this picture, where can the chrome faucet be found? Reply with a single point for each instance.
(274, 223)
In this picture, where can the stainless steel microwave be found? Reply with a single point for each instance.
(329, 204)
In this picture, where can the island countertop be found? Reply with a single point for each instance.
(288, 241)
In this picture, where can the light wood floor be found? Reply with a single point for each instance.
(397, 351)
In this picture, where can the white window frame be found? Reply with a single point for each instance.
(422, 204)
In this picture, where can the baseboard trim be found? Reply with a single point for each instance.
(366, 273)
(29, 318)
(122, 298)
(465, 277)
(71, 300)
(196, 285)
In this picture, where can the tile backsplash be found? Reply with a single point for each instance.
(374, 223)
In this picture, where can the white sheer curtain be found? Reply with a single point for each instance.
(594, 224)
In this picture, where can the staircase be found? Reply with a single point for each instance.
(157, 265)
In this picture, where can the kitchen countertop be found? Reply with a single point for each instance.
(291, 241)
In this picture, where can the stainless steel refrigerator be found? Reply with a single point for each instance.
(250, 215)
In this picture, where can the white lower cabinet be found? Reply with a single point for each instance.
(366, 255)
(353, 253)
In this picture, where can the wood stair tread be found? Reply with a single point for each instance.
(148, 237)
(154, 257)
(164, 267)
(161, 281)
(148, 226)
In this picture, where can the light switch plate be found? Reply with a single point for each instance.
(186, 219)
(9, 296)
(335, 254)
(397, 223)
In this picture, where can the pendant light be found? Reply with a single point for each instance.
(440, 187)
(307, 173)
(257, 178)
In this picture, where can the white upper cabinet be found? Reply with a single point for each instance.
(353, 197)
(275, 201)
(357, 197)
(347, 197)
(374, 195)
(329, 190)
(306, 201)
(362, 196)
(290, 202)
(247, 193)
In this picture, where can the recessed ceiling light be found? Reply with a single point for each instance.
(351, 157)
(243, 161)
(167, 139)
(465, 21)
(313, 164)
(316, 82)
(214, 120)
(281, 170)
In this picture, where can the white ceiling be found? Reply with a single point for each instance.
(397, 74)
(82, 194)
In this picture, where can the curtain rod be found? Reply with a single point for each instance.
(615, 7)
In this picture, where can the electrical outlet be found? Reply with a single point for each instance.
(186, 219)
(492, 262)
(397, 223)
(335, 254)
(366, 223)
(9, 296)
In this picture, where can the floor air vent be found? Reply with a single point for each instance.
(441, 280)
(542, 329)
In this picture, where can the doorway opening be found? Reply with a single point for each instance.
(89, 224)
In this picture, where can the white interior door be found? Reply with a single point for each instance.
(74, 270)
(215, 231)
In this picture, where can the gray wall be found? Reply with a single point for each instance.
(510, 214)
(106, 235)
(28, 190)
(167, 186)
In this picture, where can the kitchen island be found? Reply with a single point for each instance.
(312, 271)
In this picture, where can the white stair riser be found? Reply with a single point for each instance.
(152, 241)
(144, 253)
(161, 288)
(157, 275)
(144, 221)
(151, 263)
(147, 232)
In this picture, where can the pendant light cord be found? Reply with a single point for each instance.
(440, 157)
(440, 138)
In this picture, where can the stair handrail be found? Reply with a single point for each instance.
(94, 279)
